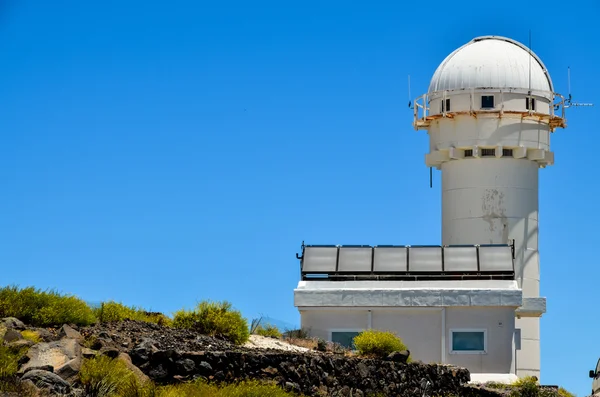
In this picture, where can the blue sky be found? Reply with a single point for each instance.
(163, 154)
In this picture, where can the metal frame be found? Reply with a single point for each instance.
(474, 352)
(371, 274)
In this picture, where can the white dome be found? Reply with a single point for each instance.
(492, 62)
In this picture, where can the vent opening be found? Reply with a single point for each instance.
(507, 152)
(468, 152)
(488, 152)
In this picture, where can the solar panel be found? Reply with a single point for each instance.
(389, 259)
(425, 259)
(495, 259)
(319, 259)
(355, 259)
(460, 259)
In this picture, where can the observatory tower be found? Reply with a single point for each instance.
(473, 301)
(489, 113)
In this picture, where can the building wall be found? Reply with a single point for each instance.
(421, 330)
(500, 326)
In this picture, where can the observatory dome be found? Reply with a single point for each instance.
(492, 62)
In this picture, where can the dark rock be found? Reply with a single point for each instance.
(109, 352)
(13, 323)
(47, 380)
(399, 357)
(158, 373)
(48, 368)
(12, 335)
(100, 343)
(185, 366)
(143, 351)
(205, 368)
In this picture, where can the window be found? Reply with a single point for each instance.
(487, 102)
(468, 152)
(488, 152)
(445, 105)
(468, 341)
(530, 103)
(507, 152)
(344, 338)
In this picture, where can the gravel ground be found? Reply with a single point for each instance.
(261, 342)
(127, 334)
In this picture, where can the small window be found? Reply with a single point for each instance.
(487, 102)
(530, 103)
(488, 152)
(507, 152)
(468, 152)
(344, 338)
(468, 341)
(445, 105)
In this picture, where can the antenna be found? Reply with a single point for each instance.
(409, 97)
(529, 62)
(569, 101)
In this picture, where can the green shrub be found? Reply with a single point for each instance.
(33, 336)
(562, 392)
(44, 308)
(9, 364)
(269, 331)
(116, 311)
(105, 377)
(9, 361)
(377, 343)
(215, 319)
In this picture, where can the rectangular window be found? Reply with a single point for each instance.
(488, 152)
(445, 105)
(507, 152)
(468, 152)
(530, 103)
(344, 338)
(487, 102)
(468, 341)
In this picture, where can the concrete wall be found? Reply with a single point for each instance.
(421, 331)
(500, 325)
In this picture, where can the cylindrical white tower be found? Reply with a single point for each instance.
(489, 113)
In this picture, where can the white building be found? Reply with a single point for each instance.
(473, 301)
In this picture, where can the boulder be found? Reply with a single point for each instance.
(12, 335)
(141, 377)
(67, 331)
(21, 343)
(45, 335)
(13, 323)
(399, 357)
(88, 353)
(46, 380)
(143, 351)
(63, 355)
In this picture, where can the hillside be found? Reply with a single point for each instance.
(155, 355)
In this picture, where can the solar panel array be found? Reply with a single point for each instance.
(401, 259)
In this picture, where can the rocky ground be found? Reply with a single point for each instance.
(166, 355)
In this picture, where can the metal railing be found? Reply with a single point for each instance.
(393, 262)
